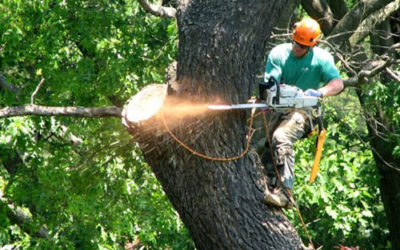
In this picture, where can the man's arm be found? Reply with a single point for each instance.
(333, 87)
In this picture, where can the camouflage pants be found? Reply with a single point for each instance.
(286, 128)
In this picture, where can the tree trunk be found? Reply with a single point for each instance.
(221, 50)
(389, 185)
(388, 167)
(379, 133)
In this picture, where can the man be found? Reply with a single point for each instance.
(306, 66)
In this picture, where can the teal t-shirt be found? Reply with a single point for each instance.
(307, 72)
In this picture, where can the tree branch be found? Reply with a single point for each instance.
(71, 137)
(157, 10)
(18, 216)
(392, 74)
(338, 8)
(353, 18)
(320, 10)
(29, 109)
(371, 69)
(368, 24)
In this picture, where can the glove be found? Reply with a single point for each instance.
(313, 92)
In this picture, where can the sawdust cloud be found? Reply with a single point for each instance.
(183, 110)
(174, 110)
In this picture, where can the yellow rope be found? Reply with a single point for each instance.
(279, 176)
(233, 158)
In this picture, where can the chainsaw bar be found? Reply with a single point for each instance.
(238, 106)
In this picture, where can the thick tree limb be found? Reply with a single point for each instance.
(338, 8)
(157, 10)
(288, 16)
(319, 10)
(29, 109)
(368, 24)
(353, 18)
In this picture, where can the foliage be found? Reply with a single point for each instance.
(83, 179)
(342, 207)
(87, 183)
(383, 99)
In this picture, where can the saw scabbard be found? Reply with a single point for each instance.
(320, 144)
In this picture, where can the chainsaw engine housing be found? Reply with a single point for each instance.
(288, 96)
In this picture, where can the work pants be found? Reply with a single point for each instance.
(285, 129)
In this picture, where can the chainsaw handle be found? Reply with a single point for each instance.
(278, 92)
(262, 87)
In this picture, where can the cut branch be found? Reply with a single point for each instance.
(157, 10)
(29, 109)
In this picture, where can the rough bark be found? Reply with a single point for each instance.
(374, 23)
(288, 17)
(320, 11)
(389, 171)
(221, 50)
(388, 165)
(338, 8)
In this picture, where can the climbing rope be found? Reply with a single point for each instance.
(280, 183)
(233, 158)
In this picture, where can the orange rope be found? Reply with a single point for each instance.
(233, 158)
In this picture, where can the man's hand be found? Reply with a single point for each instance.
(313, 92)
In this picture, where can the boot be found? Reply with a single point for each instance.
(278, 198)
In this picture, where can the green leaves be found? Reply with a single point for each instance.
(342, 206)
(82, 178)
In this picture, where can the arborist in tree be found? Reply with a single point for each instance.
(306, 66)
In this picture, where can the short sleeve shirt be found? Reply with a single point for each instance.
(316, 67)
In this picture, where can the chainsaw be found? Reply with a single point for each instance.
(281, 97)
(273, 95)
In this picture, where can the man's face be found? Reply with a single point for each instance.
(299, 50)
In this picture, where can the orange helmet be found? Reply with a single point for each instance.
(307, 32)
